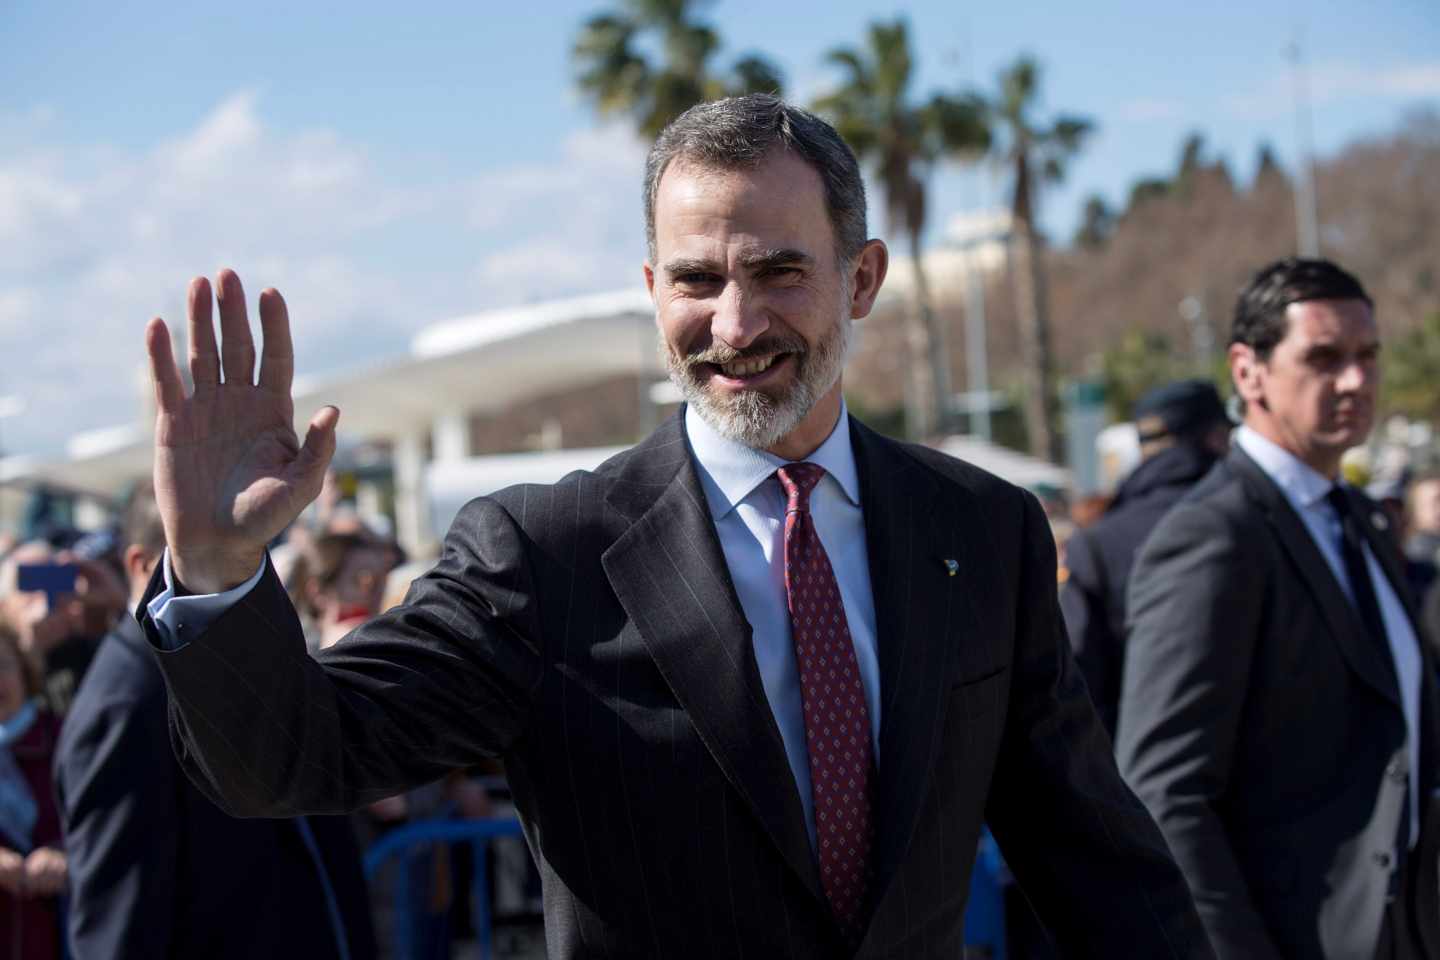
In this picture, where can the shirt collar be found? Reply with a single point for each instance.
(730, 471)
(1300, 482)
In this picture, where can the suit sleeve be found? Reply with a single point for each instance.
(1082, 847)
(1194, 613)
(117, 791)
(1082, 604)
(444, 680)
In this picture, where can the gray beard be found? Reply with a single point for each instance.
(761, 418)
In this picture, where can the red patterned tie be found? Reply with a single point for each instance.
(837, 720)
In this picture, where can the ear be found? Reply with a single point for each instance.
(1247, 372)
(649, 279)
(138, 565)
(867, 274)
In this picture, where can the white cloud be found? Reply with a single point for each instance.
(1335, 81)
(95, 240)
(1145, 109)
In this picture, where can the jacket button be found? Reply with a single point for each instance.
(1383, 859)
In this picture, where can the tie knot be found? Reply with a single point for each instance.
(1339, 502)
(799, 479)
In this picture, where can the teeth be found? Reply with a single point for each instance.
(747, 368)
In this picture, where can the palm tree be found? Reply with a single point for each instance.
(1034, 153)
(614, 73)
(904, 141)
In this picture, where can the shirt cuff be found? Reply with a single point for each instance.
(180, 619)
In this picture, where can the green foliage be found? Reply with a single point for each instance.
(1411, 365)
(902, 139)
(1144, 359)
(615, 75)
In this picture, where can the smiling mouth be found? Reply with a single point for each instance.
(748, 367)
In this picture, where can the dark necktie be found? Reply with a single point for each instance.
(1357, 571)
(837, 720)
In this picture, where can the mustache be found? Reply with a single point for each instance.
(722, 353)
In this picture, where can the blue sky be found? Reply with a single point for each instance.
(388, 171)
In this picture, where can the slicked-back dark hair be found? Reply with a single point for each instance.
(739, 132)
(1260, 312)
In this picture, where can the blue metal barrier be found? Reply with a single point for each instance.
(985, 913)
(404, 841)
(984, 917)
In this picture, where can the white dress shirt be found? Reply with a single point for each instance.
(748, 507)
(1306, 489)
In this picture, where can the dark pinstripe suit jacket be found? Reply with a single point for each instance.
(589, 634)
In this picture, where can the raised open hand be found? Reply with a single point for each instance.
(230, 472)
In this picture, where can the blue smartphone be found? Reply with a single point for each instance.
(50, 578)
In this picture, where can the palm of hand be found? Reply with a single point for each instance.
(230, 472)
(225, 468)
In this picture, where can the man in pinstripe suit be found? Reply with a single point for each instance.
(637, 643)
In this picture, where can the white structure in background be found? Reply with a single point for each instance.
(420, 404)
(1118, 447)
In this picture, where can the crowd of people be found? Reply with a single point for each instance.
(106, 847)
(758, 682)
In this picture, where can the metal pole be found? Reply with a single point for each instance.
(1307, 216)
(977, 364)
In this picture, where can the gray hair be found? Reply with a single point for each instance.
(739, 132)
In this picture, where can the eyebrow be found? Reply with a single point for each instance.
(784, 257)
(761, 260)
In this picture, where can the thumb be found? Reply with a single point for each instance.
(318, 448)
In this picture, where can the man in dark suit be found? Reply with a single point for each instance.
(156, 870)
(1183, 431)
(756, 682)
(1279, 713)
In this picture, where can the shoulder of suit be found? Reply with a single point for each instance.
(953, 470)
(123, 675)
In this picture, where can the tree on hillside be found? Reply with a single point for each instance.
(614, 72)
(1097, 220)
(1411, 384)
(903, 140)
(1035, 152)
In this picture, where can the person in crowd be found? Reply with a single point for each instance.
(32, 864)
(1279, 714)
(1422, 518)
(59, 632)
(1183, 432)
(691, 658)
(156, 869)
(342, 582)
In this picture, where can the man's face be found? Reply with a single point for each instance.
(1426, 500)
(1316, 392)
(753, 306)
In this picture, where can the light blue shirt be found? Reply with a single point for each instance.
(1306, 489)
(748, 506)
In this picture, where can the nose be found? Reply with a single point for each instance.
(738, 320)
(1355, 375)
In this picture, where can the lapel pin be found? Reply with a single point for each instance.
(951, 567)
(1381, 521)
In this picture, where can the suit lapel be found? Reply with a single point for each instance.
(910, 531)
(1365, 657)
(669, 573)
(1392, 562)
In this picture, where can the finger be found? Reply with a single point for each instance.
(204, 355)
(237, 347)
(309, 467)
(169, 391)
(277, 358)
